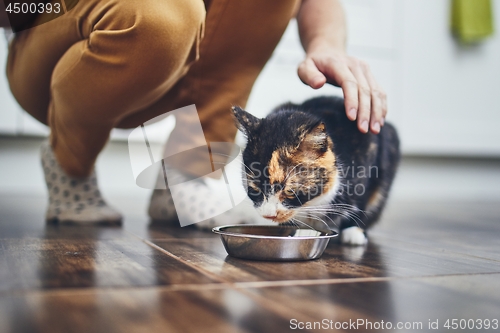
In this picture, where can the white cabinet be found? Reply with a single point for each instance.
(450, 101)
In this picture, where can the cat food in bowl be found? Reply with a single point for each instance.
(273, 243)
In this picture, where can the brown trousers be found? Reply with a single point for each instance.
(110, 63)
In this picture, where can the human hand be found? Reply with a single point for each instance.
(365, 100)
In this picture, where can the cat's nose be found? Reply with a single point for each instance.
(270, 217)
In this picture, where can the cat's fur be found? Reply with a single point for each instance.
(309, 162)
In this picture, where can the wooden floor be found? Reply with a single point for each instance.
(425, 261)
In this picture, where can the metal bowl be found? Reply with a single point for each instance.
(273, 243)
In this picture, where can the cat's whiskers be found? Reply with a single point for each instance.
(326, 215)
(344, 205)
(347, 207)
(332, 210)
(352, 210)
(329, 208)
(352, 216)
(315, 218)
(288, 175)
(292, 222)
(345, 213)
(303, 223)
(311, 215)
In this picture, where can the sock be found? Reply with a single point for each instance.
(197, 201)
(71, 199)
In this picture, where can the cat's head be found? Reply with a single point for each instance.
(289, 163)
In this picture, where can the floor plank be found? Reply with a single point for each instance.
(381, 258)
(401, 300)
(268, 309)
(144, 310)
(462, 227)
(34, 263)
(424, 261)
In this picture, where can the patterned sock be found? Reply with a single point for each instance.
(74, 200)
(161, 206)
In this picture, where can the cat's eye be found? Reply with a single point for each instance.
(289, 193)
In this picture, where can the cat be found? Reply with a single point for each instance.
(309, 163)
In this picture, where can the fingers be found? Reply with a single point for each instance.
(350, 89)
(364, 96)
(364, 99)
(379, 103)
(341, 75)
(310, 75)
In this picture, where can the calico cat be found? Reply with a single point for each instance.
(309, 162)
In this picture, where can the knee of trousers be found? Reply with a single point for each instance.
(172, 38)
(156, 39)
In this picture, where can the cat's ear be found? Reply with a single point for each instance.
(245, 121)
(314, 140)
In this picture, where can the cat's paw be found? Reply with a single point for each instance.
(353, 236)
